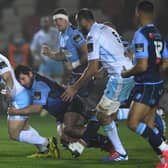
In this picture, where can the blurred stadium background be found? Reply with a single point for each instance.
(22, 17)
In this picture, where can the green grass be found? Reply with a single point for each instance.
(13, 154)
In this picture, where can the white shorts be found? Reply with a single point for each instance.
(117, 91)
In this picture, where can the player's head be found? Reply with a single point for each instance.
(144, 11)
(60, 19)
(84, 19)
(24, 75)
(45, 22)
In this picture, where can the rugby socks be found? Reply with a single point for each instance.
(112, 133)
(153, 136)
(91, 131)
(40, 147)
(31, 136)
(122, 113)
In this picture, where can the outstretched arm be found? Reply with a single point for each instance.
(35, 108)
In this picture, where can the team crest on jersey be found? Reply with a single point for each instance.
(139, 47)
(37, 96)
(3, 65)
(77, 38)
(90, 47)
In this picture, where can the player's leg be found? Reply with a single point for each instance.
(73, 124)
(116, 91)
(144, 105)
(105, 108)
(19, 129)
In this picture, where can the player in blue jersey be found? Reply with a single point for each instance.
(151, 58)
(72, 48)
(69, 115)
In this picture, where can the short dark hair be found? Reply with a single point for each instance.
(84, 13)
(145, 6)
(60, 11)
(22, 69)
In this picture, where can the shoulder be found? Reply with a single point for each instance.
(40, 83)
(38, 34)
(77, 36)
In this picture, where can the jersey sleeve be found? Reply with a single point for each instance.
(140, 46)
(4, 67)
(93, 48)
(40, 93)
(78, 39)
(35, 44)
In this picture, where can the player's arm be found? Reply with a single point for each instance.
(83, 52)
(164, 65)
(101, 73)
(141, 56)
(80, 43)
(140, 67)
(92, 68)
(59, 56)
(35, 108)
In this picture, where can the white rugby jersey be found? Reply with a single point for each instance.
(5, 66)
(104, 43)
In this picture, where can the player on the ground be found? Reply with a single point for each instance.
(47, 94)
(18, 125)
(151, 58)
(105, 45)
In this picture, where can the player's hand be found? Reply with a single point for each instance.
(69, 93)
(124, 72)
(12, 110)
(45, 50)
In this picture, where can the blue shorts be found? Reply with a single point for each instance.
(148, 94)
(20, 101)
(119, 89)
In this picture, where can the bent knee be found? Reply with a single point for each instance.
(132, 125)
(68, 130)
(103, 118)
(14, 134)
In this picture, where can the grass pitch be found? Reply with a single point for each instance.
(13, 154)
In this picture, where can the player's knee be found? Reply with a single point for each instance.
(104, 119)
(132, 124)
(14, 135)
(107, 106)
(68, 130)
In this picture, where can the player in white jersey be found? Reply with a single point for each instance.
(105, 45)
(18, 126)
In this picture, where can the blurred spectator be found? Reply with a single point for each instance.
(18, 51)
(43, 64)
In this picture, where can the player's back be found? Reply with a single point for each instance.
(111, 50)
(5, 66)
